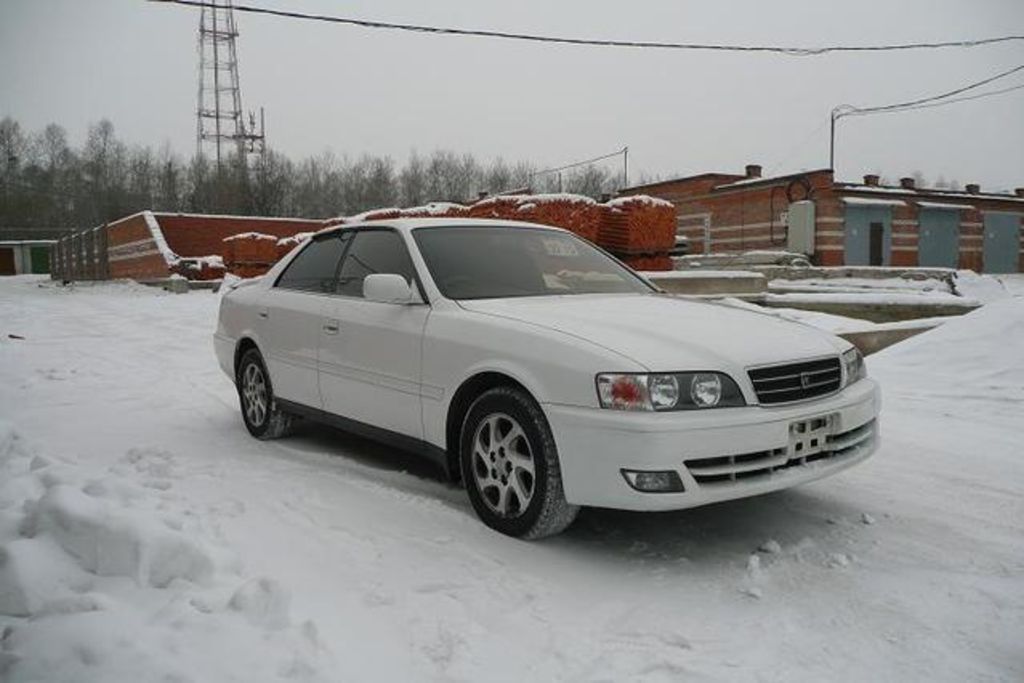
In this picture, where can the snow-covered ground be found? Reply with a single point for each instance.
(967, 288)
(144, 536)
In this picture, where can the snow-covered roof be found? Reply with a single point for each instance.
(20, 243)
(537, 198)
(635, 198)
(941, 205)
(933, 193)
(251, 236)
(868, 201)
(277, 219)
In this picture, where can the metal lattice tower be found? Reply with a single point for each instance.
(219, 112)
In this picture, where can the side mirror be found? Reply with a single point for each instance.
(388, 288)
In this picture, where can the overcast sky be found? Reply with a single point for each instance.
(356, 90)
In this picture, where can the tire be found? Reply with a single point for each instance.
(262, 417)
(509, 464)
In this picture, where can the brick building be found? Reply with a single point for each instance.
(847, 223)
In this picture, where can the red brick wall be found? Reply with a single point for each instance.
(132, 252)
(972, 235)
(745, 216)
(191, 235)
(905, 235)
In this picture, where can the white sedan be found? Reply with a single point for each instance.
(540, 371)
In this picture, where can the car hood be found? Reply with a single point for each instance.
(665, 333)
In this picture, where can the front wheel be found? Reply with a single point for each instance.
(510, 466)
(263, 418)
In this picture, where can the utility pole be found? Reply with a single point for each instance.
(219, 117)
(837, 113)
(625, 166)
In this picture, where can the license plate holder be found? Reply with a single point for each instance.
(810, 436)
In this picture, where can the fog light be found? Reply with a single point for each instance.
(667, 481)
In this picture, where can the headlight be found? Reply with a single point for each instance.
(706, 390)
(668, 391)
(664, 391)
(853, 366)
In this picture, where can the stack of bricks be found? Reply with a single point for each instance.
(575, 213)
(640, 230)
(201, 268)
(249, 254)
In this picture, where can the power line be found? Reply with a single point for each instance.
(849, 110)
(979, 96)
(536, 38)
(580, 163)
(939, 100)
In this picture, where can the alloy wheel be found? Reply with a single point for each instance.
(254, 394)
(503, 465)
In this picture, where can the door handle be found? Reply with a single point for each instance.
(263, 314)
(331, 326)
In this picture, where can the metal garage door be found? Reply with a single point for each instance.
(7, 261)
(40, 257)
(868, 235)
(939, 241)
(1002, 242)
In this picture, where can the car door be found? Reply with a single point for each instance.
(291, 317)
(369, 357)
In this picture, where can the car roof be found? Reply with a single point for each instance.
(408, 224)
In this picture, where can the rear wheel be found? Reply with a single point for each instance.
(510, 466)
(263, 418)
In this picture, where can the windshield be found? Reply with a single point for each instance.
(495, 262)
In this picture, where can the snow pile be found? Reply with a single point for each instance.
(882, 297)
(972, 358)
(983, 288)
(629, 200)
(862, 285)
(108, 575)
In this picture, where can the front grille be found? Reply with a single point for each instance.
(809, 443)
(796, 381)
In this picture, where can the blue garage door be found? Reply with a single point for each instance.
(1002, 242)
(939, 241)
(868, 235)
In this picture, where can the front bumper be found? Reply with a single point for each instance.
(719, 454)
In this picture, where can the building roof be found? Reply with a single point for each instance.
(31, 243)
(767, 180)
(729, 180)
(699, 176)
(33, 233)
(926, 192)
